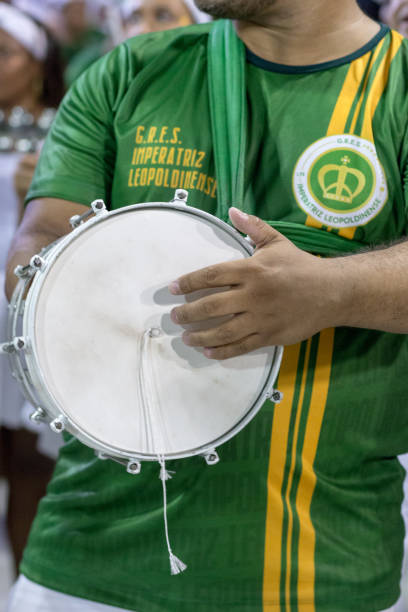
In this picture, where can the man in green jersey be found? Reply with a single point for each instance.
(302, 513)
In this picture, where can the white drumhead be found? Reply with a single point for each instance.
(126, 391)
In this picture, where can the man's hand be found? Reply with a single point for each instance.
(280, 295)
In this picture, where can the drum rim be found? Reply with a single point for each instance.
(46, 398)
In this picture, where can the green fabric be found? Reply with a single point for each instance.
(226, 82)
(95, 153)
(83, 59)
(71, 49)
(133, 128)
(356, 460)
(226, 69)
(81, 53)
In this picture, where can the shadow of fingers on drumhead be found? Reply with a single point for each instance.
(194, 357)
(163, 297)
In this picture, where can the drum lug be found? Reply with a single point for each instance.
(20, 343)
(39, 416)
(275, 396)
(17, 344)
(133, 467)
(58, 425)
(102, 456)
(98, 207)
(211, 457)
(181, 196)
(37, 263)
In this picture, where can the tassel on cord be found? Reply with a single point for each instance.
(176, 565)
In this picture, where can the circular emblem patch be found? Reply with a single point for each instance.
(339, 181)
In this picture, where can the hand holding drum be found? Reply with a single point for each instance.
(269, 299)
(103, 359)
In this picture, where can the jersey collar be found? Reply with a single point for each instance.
(286, 69)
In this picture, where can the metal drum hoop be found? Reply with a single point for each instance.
(32, 380)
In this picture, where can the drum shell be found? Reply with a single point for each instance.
(37, 383)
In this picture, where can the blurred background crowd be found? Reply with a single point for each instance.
(44, 46)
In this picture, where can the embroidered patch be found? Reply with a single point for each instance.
(340, 182)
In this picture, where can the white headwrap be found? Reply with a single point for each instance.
(24, 30)
(198, 16)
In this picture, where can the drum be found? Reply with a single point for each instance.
(96, 352)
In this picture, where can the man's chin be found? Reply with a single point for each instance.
(220, 10)
(233, 9)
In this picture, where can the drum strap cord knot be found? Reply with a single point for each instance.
(156, 435)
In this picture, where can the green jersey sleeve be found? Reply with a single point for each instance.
(78, 158)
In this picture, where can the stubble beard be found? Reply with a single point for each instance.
(234, 9)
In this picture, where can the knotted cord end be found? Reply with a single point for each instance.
(165, 474)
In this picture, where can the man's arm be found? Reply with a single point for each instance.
(44, 221)
(283, 295)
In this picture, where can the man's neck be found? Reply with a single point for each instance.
(302, 33)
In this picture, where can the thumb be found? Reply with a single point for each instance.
(260, 232)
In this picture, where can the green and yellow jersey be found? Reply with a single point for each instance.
(302, 513)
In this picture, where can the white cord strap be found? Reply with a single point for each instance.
(176, 565)
(155, 433)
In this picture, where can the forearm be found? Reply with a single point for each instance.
(44, 221)
(23, 247)
(370, 290)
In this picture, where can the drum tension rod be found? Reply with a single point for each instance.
(38, 416)
(6, 348)
(36, 263)
(97, 207)
(24, 272)
(133, 466)
(18, 344)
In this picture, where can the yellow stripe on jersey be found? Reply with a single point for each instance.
(364, 89)
(376, 91)
(347, 95)
(347, 232)
(277, 461)
(278, 457)
(311, 222)
(378, 86)
(307, 483)
(291, 474)
(344, 105)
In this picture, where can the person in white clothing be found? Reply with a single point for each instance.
(30, 90)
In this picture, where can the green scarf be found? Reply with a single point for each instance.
(227, 91)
